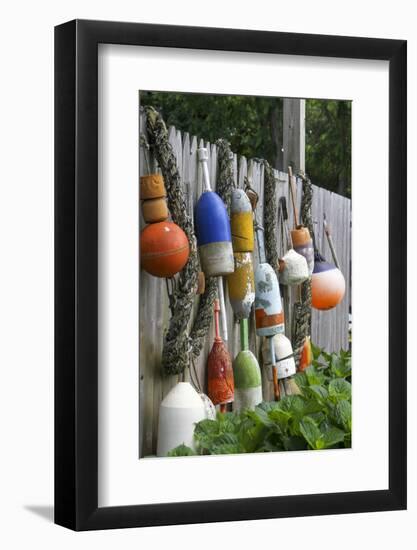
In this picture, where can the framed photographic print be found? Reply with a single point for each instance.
(230, 247)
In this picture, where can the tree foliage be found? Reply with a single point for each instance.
(253, 126)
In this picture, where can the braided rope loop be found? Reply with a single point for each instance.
(175, 354)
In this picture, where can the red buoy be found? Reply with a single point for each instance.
(164, 249)
(219, 368)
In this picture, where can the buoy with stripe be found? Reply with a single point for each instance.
(179, 411)
(219, 368)
(285, 363)
(241, 221)
(327, 284)
(212, 225)
(164, 249)
(300, 236)
(269, 313)
(247, 375)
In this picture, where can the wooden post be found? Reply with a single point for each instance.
(294, 133)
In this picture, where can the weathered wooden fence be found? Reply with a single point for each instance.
(329, 328)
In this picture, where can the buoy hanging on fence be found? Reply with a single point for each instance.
(247, 374)
(153, 197)
(219, 368)
(241, 285)
(293, 268)
(300, 236)
(306, 354)
(285, 363)
(178, 413)
(269, 314)
(283, 356)
(327, 284)
(164, 249)
(212, 225)
(241, 221)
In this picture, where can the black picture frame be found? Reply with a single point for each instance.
(76, 271)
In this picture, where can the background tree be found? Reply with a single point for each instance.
(253, 125)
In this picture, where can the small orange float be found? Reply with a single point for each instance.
(306, 355)
(164, 249)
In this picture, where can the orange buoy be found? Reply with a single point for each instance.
(306, 355)
(152, 187)
(164, 249)
(219, 367)
(327, 284)
(155, 210)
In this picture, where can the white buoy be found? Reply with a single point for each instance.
(283, 354)
(179, 411)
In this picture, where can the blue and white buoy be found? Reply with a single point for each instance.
(214, 237)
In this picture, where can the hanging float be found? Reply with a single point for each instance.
(328, 284)
(247, 375)
(164, 246)
(306, 354)
(241, 287)
(219, 368)
(293, 268)
(179, 411)
(212, 225)
(153, 197)
(164, 249)
(300, 235)
(269, 314)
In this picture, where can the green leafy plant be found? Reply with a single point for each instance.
(319, 418)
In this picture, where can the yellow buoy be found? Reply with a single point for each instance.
(241, 222)
(241, 285)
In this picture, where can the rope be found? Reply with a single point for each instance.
(306, 202)
(175, 357)
(302, 309)
(270, 217)
(224, 186)
(225, 178)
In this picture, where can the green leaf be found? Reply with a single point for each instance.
(339, 389)
(314, 376)
(343, 414)
(340, 365)
(316, 351)
(294, 443)
(301, 380)
(319, 393)
(227, 449)
(182, 450)
(310, 432)
(331, 437)
(206, 427)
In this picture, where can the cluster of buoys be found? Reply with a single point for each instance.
(226, 246)
(164, 247)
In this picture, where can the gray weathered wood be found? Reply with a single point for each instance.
(294, 134)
